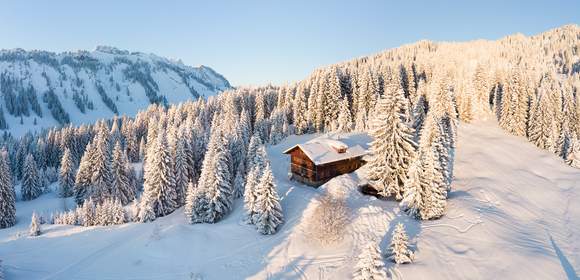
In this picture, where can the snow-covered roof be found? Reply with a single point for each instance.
(324, 150)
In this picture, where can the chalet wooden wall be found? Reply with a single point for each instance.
(306, 171)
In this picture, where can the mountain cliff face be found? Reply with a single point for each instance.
(40, 89)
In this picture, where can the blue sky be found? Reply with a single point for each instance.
(257, 42)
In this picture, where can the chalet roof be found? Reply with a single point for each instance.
(324, 150)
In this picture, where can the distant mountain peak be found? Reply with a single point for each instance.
(40, 89)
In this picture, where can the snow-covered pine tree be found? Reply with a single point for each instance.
(563, 143)
(541, 128)
(259, 162)
(252, 181)
(370, 265)
(413, 197)
(399, 251)
(268, 216)
(84, 173)
(102, 175)
(434, 138)
(142, 149)
(245, 128)
(277, 126)
(66, 178)
(300, 110)
(181, 169)
(240, 180)
(1, 268)
(159, 195)
(190, 202)
(514, 105)
(332, 93)
(124, 188)
(392, 148)
(574, 155)
(434, 199)
(3, 123)
(31, 186)
(255, 143)
(344, 116)
(87, 213)
(7, 199)
(419, 112)
(215, 179)
(34, 225)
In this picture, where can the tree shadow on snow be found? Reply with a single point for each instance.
(566, 265)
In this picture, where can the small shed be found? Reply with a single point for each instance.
(319, 160)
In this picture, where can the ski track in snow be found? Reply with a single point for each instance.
(512, 214)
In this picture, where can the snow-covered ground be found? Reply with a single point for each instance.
(513, 214)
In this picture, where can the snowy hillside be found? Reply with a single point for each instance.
(512, 215)
(42, 89)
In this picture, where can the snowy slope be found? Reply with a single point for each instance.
(83, 81)
(513, 214)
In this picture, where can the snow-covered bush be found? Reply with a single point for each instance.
(328, 221)
(399, 251)
(109, 212)
(34, 225)
(370, 265)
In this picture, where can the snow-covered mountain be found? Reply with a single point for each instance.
(42, 89)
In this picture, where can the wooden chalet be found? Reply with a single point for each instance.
(317, 161)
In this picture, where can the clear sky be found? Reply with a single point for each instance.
(257, 42)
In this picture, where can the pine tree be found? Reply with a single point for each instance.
(392, 148)
(240, 180)
(255, 143)
(181, 170)
(399, 250)
(574, 155)
(300, 110)
(563, 143)
(159, 195)
(102, 176)
(84, 174)
(3, 123)
(332, 96)
(434, 139)
(268, 216)
(370, 265)
(344, 117)
(418, 115)
(7, 197)
(414, 193)
(66, 178)
(142, 149)
(252, 181)
(277, 127)
(34, 225)
(31, 185)
(190, 201)
(541, 129)
(514, 106)
(123, 186)
(215, 179)
(87, 213)
(434, 202)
